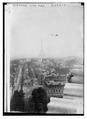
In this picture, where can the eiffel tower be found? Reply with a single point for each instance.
(41, 54)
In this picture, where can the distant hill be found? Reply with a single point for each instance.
(66, 61)
(15, 61)
(71, 61)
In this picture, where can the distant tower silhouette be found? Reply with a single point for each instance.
(41, 54)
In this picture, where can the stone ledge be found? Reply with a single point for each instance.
(65, 106)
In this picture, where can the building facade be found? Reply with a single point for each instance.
(54, 85)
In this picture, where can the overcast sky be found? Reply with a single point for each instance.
(59, 27)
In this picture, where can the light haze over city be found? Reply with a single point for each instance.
(59, 27)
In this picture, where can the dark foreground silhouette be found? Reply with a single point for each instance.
(17, 102)
(36, 103)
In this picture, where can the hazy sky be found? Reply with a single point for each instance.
(27, 25)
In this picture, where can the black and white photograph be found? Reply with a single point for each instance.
(44, 58)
